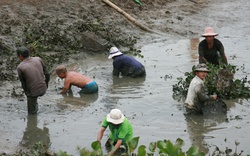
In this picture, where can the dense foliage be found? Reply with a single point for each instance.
(220, 80)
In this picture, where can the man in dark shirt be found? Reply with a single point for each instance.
(34, 78)
(126, 65)
(211, 49)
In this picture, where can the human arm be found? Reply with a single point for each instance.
(22, 80)
(224, 58)
(117, 146)
(64, 90)
(116, 72)
(201, 94)
(100, 134)
(46, 73)
(67, 85)
(201, 55)
(220, 48)
(117, 65)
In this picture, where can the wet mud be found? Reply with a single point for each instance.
(67, 122)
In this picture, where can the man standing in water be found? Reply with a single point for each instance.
(34, 78)
(87, 85)
(196, 96)
(126, 65)
(211, 49)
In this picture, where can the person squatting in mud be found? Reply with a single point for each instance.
(121, 131)
(34, 77)
(87, 85)
(126, 65)
(196, 96)
(211, 49)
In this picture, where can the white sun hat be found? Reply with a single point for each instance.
(114, 52)
(201, 67)
(209, 31)
(115, 116)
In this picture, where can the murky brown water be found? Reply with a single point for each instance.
(68, 122)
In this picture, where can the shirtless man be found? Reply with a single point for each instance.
(87, 85)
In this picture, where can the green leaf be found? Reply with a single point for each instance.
(162, 146)
(179, 142)
(152, 146)
(193, 151)
(142, 151)
(96, 145)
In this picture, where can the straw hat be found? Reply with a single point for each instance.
(201, 67)
(114, 52)
(115, 116)
(209, 31)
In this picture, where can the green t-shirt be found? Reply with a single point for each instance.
(123, 131)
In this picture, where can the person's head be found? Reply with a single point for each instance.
(209, 34)
(22, 52)
(114, 52)
(61, 71)
(115, 117)
(201, 70)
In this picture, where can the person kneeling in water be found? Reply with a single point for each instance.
(87, 85)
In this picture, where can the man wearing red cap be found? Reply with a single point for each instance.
(211, 49)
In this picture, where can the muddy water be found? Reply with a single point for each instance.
(71, 121)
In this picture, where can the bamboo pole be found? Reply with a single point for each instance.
(128, 16)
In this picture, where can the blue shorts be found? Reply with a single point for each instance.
(90, 88)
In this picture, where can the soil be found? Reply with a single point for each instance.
(176, 24)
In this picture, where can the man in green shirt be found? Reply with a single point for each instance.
(121, 130)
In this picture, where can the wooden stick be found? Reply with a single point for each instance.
(127, 16)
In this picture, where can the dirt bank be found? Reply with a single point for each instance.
(58, 27)
(55, 29)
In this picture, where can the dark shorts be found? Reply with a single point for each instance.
(90, 88)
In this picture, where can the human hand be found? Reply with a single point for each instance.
(99, 142)
(111, 153)
(214, 97)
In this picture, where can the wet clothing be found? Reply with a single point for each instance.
(123, 131)
(34, 78)
(196, 96)
(127, 66)
(90, 88)
(211, 55)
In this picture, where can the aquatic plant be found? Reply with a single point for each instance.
(220, 80)
(161, 147)
(155, 148)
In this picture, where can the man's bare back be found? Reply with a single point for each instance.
(76, 79)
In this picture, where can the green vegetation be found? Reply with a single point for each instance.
(158, 148)
(220, 80)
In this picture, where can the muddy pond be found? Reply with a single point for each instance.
(68, 122)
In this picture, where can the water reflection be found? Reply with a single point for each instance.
(33, 134)
(127, 85)
(198, 128)
(83, 101)
(123, 88)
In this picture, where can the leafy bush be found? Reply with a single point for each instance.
(225, 89)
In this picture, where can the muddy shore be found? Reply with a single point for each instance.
(147, 103)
